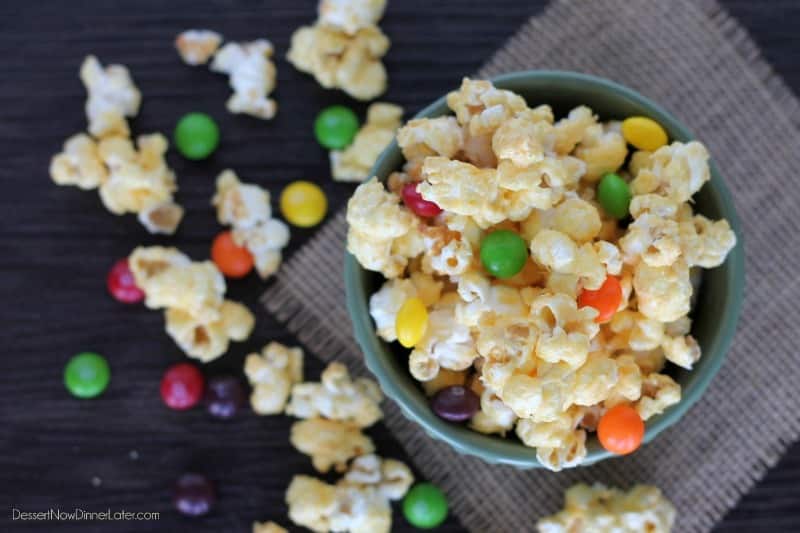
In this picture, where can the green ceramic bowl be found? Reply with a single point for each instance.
(715, 314)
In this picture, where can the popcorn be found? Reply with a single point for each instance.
(705, 243)
(675, 171)
(354, 163)
(570, 130)
(659, 391)
(681, 350)
(557, 252)
(351, 62)
(578, 219)
(663, 293)
(571, 452)
(351, 15)
(602, 150)
(523, 142)
(595, 380)
(252, 77)
(268, 527)
(481, 107)
(424, 137)
(598, 508)
(372, 244)
(462, 189)
(246, 207)
(272, 374)
(494, 416)
(447, 254)
(112, 97)
(337, 397)
(330, 443)
(161, 218)
(311, 503)
(197, 317)
(635, 331)
(197, 46)
(79, 164)
(361, 510)
(390, 477)
(652, 239)
(628, 387)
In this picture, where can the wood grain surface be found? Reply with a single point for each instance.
(125, 449)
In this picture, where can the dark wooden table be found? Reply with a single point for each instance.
(124, 450)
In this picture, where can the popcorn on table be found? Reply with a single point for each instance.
(597, 508)
(354, 162)
(252, 77)
(129, 179)
(197, 316)
(197, 46)
(246, 208)
(344, 47)
(359, 502)
(541, 364)
(272, 373)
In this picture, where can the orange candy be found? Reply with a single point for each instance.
(606, 299)
(232, 260)
(621, 430)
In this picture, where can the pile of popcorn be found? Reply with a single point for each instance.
(251, 72)
(333, 414)
(541, 365)
(354, 162)
(130, 179)
(198, 318)
(599, 508)
(246, 207)
(344, 47)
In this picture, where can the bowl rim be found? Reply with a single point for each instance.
(495, 449)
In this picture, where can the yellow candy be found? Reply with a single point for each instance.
(644, 133)
(411, 322)
(303, 204)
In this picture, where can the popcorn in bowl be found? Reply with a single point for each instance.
(552, 272)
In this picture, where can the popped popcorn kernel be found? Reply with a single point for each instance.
(482, 107)
(659, 391)
(272, 374)
(337, 397)
(354, 163)
(570, 130)
(706, 243)
(329, 443)
(602, 150)
(79, 164)
(161, 218)
(663, 293)
(197, 46)
(390, 477)
(675, 171)
(112, 96)
(350, 15)
(424, 137)
(252, 77)
(311, 503)
(596, 508)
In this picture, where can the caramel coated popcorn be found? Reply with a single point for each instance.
(272, 373)
(344, 47)
(197, 46)
(598, 509)
(330, 443)
(246, 207)
(198, 318)
(252, 77)
(546, 360)
(354, 162)
(112, 97)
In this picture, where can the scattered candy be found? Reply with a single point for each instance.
(614, 195)
(87, 375)
(644, 133)
(335, 127)
(224, 396)
(182, 386)
(193, 495)
(606, 299)
(503, 253)
(621, 430)
(419, 205)
(303, 204)
(455, 403)
(121, 284)
(411, 322)
(196, 136)
(425, 506)
(233, 261)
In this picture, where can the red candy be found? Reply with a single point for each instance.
(419, 205)
(121, 284)
(182, 386)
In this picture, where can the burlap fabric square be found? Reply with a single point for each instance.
(696, 61)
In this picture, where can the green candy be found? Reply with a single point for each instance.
(503, 253)
(196, 136)
(425, 506)
(335, 127)
(614, 195)
(86, 375)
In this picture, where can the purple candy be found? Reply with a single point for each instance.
(224, 396)
(455, 403)
(194, 495)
